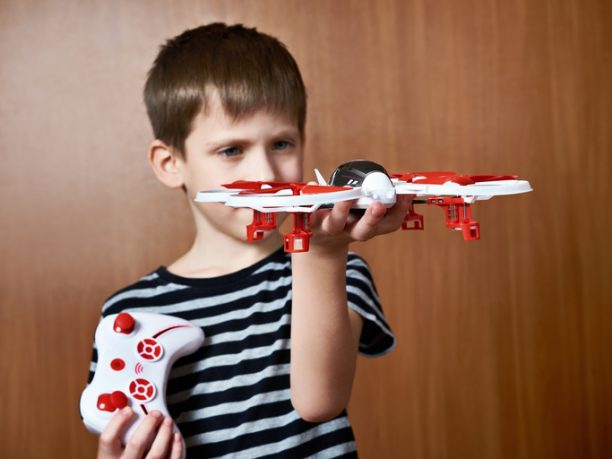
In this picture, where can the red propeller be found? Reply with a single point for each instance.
(439, 178)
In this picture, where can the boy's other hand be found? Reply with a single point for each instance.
(337, 227)
(154, 431)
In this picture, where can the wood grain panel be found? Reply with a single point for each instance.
(504, 345)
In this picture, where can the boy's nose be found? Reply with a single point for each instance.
(264, 169)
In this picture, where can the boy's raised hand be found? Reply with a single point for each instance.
(154, 430)
(337, 227)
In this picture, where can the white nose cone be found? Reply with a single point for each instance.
(378, 186)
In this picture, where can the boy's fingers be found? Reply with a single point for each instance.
(376, 220)
(143, 436)
(161, 444)
(177, 447)
(395, 215)
(110, 439)
(317, 217)
(367, 226)
(335, 221)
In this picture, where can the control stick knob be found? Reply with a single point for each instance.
(124, 323)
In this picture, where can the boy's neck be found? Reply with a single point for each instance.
(211, 258)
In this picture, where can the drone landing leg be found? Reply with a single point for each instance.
(458, 216)
(261, 222)
(298, 240)
(412, 220)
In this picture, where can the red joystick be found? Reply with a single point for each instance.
(119, 399)
(124, 323)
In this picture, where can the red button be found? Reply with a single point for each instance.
(124, 323)
(149, 349)
(119, 399)
(142, 390)
(117, 364)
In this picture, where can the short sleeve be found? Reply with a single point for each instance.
(376, 339)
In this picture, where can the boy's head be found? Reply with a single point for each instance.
(247, 70)
(226, 103)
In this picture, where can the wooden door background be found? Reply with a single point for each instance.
(505, 345)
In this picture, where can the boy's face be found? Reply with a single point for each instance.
(219, 150)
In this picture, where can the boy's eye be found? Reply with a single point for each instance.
(231, 152)
(281, 145)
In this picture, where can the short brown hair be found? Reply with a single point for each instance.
(250, 70)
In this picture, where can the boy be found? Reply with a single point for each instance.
(282, 331)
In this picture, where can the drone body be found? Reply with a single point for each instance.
(363, 182)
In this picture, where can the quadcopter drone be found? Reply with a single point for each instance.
(364, 182)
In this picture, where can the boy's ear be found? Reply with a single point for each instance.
(165, 163)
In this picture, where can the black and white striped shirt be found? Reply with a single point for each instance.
(231, 398)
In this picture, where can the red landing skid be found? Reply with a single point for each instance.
(458, 216)
(261, 222)
(296, 241)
